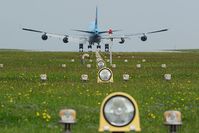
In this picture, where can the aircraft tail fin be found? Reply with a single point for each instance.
(96, 19)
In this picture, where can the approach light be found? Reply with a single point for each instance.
(163, 65)
(113, 65)
(43, 77)
(167, 77)
(105, 75)
(63, 65)
(125, 60)
(68, 117)
(1, 65)
(126, 77)
(101, 64)
(88, 65)
(119, 113)
(138, 65)
(173, 120)
(72, 60)
(143, 60)
(84, 77)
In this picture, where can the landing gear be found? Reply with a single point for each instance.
(98, 47)
(81, 47)
(106, 47)
(90, 48)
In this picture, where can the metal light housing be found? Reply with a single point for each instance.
(67, 116)
(100, 64)
(105, 75)
(172, 118)
(119, 113)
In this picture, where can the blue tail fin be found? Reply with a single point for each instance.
(96, 19)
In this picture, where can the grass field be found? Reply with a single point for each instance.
(29, 106)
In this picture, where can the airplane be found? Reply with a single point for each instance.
(94, 36)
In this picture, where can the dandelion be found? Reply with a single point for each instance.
(37, 114)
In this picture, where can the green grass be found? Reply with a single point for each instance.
(23, 95)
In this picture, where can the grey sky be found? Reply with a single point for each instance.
(132, 16)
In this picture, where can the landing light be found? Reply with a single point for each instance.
(105, 75)
(68, 117)
(100, 64)
(119, 113)
(173, 120)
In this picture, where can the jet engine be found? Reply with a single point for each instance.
(65, 39)
(122, 41)
(143, 38)
(44, 37)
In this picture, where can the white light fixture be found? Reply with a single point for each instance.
(43, 77)
(63, 65)
(143, 60)
(72, 60)
(163, 65)
(101, 64)
(84, 77)
(138, 65)
(68, 117)
(113, 65)
(1, 65)
(105, 74)
(173, 120)
(88, 65)
(167, 76)
(119, 113)
(125, 60)
(126, 77)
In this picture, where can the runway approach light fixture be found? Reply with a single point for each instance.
(125, 60)
(88, 65)
(84, 77)
(1, 65)
(164, 66)
(72, 60)
(138, 65)
(101, 64)
(63, 65)
(105, 75)
(126, 77)
(143, 60)
(167, 77)
(119, 114)
(113, 65)
(68, 117)
(173, 120)
(43, 77)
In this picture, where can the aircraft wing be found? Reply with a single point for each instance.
(46, 33)
(145, 33)
(73, 38)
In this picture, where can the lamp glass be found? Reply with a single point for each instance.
(105, 74)
(119, 111)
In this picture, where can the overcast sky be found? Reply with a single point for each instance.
(132, 16)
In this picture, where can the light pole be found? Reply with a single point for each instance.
(111, 41)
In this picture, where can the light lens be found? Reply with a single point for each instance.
(100, 64)
(119, 111)
(105, 74)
